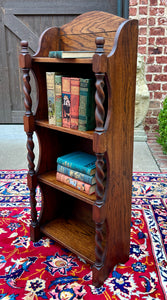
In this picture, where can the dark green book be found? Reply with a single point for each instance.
(86, 105)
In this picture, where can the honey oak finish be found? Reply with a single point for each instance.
(96, 227)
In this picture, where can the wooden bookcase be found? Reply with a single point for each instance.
(95, 227)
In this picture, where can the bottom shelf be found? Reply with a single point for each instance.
(77, 236)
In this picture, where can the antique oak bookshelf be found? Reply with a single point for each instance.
(95, 227)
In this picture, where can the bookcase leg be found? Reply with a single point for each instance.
(29, 127)
(34, 226)
(99, 252)
(98, 276)
(32, 184)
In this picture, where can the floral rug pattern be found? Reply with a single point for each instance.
(44, 270)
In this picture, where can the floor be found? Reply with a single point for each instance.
(13, 151)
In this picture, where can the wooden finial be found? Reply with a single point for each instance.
(24, 58)
(100, 44)
(24, 46)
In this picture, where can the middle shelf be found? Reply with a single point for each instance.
(84, 134)
(49, 178)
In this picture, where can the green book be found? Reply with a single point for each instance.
(58, 100)
(86, 105)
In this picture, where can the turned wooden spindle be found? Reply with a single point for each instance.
(29, 127)
(25, 64)
(99, 68)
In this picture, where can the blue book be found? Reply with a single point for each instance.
(79, 161)
(90, 179)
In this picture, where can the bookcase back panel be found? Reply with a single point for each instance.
(54, 144)
(54, 204)
(80, 33)
(39, 71)
(93, 21)
(86, 42)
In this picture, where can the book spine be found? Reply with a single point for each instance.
(77, 175)
(75, 82)
(86, 105)
(52, 54)
(66, 102)
(77, 184)
(50, 96)
(58, 99)
(74, 166)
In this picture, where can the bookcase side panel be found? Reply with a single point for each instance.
(39, 73)
(120, 125)
(49, 41)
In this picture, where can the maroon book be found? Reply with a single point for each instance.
(75, 83)
(66, 102)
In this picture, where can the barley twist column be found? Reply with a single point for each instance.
(29, 127)
(99, 145)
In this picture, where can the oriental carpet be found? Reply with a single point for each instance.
(44, 270)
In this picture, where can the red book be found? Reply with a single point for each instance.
(75, 183)
(66, 99)
(75, 83)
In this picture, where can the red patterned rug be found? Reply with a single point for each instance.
(43, 270)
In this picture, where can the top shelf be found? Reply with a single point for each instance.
(62, 60)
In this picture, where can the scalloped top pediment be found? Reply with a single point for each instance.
(80, 33)
(92, 22)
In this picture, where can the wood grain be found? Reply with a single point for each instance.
(78, 237)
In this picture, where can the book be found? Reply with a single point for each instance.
(66, 101)
(79, 161)
(90, 179)
(86, 105)
(71, 54)
(75, 83)
(77, 184)
(51, 96)
(58, 100)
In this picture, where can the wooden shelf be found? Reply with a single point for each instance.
(62, 60)
(49, 178)
(77, 236)
(84, 134)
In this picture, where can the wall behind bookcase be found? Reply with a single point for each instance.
(26, 20)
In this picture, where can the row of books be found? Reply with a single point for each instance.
(77, 169)
(71, 101)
